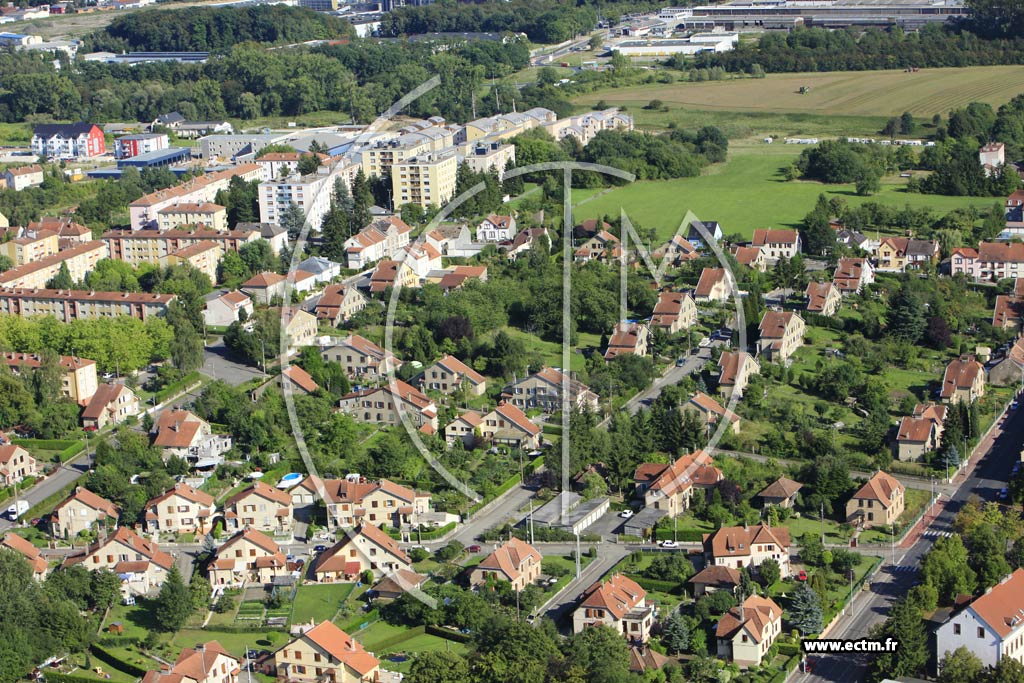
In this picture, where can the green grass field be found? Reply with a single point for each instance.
(744, 193)
(319, 602)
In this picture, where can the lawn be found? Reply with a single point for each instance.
(319, 602)
(423, 642)
(235, 643)
(550, 353)
(744, 193)
(914, 501)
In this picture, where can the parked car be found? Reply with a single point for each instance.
(680, 362)
(669, 544)
(319, 548)
(626, 514)
(473, 549)
(1004, 493)
(704, 343)
(801, 575)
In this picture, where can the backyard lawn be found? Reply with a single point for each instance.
(319, 602)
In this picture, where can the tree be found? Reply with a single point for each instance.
(805, 611)
(960, 666)
(292, 220)
(186, 348)
(62, 280)
(906, 316)
(676, 634)
(905, 626)
(868, 182)
(174, 603)
(891, 128)
(946, 567)
(439, 667)
(906, 123)
(769, 572)
(308, 164)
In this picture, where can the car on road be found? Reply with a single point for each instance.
(680, 362)
(319, 548)
(1004, 493)
(17, 509)
(1014, 404)
(626, 514)
(108, 375)
(669, 544)
(473, 549)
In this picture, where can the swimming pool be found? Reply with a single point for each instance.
(289, 480)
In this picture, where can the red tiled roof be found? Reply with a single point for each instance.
(91, 500)
(881, 487)
(509, 558)
(694, 468)
(618, 595)
(342, 647)
(709, 277)
(756, 614)
(300, 378)
(258, 488)
(735, 541)
(960, 374)
(999, 607)
(456, 367)
(918, 430)
(782, 487)
(764, 236)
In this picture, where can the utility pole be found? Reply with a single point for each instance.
(892, 539)
(578, 568)
(822, 523)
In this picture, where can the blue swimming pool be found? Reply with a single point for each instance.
(289, 480)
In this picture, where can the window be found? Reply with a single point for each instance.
(956, 629)
(981, 632)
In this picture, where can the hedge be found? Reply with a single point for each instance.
(118, 641)
(248, 629)
(658, 585)
(789, 649)
(448, 634)
(45, 444)
(787, 668)
(51, 676)
(431, 535)
(175, 387)
(683, 535)
(71, 451)
(112, 660)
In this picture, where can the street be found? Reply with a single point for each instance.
(673, 375)
(994, 457)
(66, 475)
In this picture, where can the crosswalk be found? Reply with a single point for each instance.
(902, 569)
(932, 533)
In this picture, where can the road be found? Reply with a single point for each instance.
(673, 375)
(66, 475)
(219, 364)
(988, 473)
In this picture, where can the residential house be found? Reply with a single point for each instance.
(992, 156)
(782, 493)
(1010, 370)
(544, 389)
(782, 333)
(397, 584)
(67, 140)
(247, 557)
(672, 487)
(852, 275)
(989, 626)
(603, 246)
(322, 268)
(361, 359)
(186, 435)
(711, 412)
(734, 371)
(999, 260)
(294, 378)
(449, 374)
(339, 303)
(82, 511)
(915, 437)
(823, 298)
(15, 465)
(140, 564)
(465, 428)
(618, 603)
(879, 502)
(421, 258)
(111, 404)
(964, 380)
(509, 426)
(746, 633)
(1009, 311)
(261, 507)
(265, 287)
(20, 177)
(382, 238)
(525, 240)
(676, 251)
(675, 311)
(628, 338)
(364, 548)
(698, 230)
(223, 308)
(777, 244)
(391, 273)
(205, 663)
(300, 327)
(36, 562)
(325, 653)
(897, 254)
(453, 239)
(748, 546)
(589, 228)
(643, 659)
(966, 261)
(354, 500)
(714, 578)
(386, 403)
(181, 510)
(457, 276)
(496, 228)
(714, 285)
(514, 561)
(751, 257)
(78, 380)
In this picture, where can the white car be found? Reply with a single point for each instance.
(669, 544)
(704, 343)
(626, 514)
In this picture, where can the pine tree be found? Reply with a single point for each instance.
(805, 611)
(906, 626)
(62, 280)
(906, 316)
(676, 635)
(292, 220)
(362, 200)
(335, 231)
(174, 604)
(512, 186)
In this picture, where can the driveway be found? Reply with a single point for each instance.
(220, 363)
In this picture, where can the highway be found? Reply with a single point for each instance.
(985, 475)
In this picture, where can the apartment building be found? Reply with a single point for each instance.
(381, 158)
(128, 146)
(745, 633)
(777, 244)
(504, 126)
(483, 156)
(674, 312)
(180, 510)
(782, 333)
(364, 548)
(823, 298)
(144, 211)
(67, 230)
(354, 501)
(152, 246)
(67, 140)
(359, 357)
(206, 215)
(544, 389)
(515, 561)
(426, 179)
(247, 557)
(204, 256)
(80, 258)
(748, 546)
(670, 487)
(964, 380)
(284, 164)
(82, 511)
(989, 626)
(79, 381)
(310, 193)
(20, 177)
(879, 502)
(16, 463)
(111, 404)
(33, 245)
(618, 603)
(628, 338)
(78, 304)
(381, 405)
(261, 507)
(449, 374)
(339, 302)
(325, 653)
(140, 564)
(735, 369)
(384, 238)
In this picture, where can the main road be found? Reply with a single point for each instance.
(984, 477)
